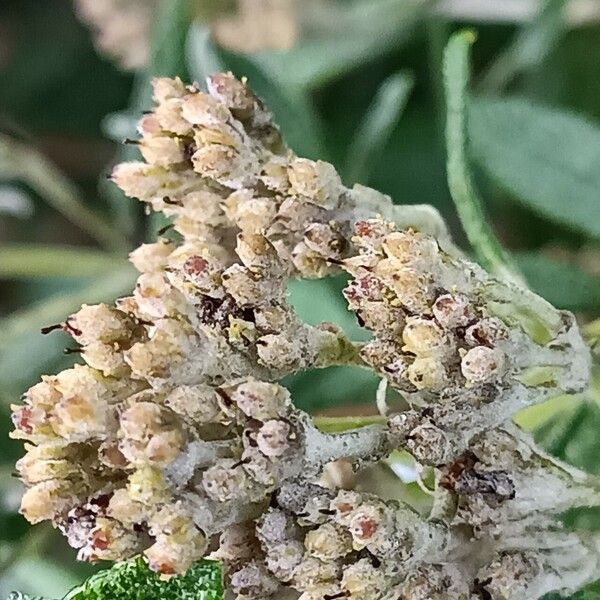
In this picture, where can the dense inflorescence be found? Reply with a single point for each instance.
(468, 351)
(176, 432)
(121, 28)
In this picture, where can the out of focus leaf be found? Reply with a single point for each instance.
(133, 580)
(362, 31)
(377, 127)
(169, 37)
(17, 160)
(531, 46)
(572, 435)
(24, 352)
(469, 205)
(335, 387)
(202, 55)
(51, 78)
(547, 158)
(37, 576)
(321, 300)
(31, 261)
(563, 285)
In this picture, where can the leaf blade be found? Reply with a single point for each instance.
(546, 158)
(377, 126)
(33, 261)
(469, 205)
(133, 580)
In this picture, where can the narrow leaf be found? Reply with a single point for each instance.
(25, 353)
(171, 23)
(32, 261)
(202, 56)
(531, 45)
(377, 126)
(469, 205)
(17, 160)
(546, 158)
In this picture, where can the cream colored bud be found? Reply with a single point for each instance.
(162, 151)
(233, 93)
(482, 365)
(147, 486)
(197, 403)
(363, 581)
(47, 499)
(201, 109)
(428, 373)
(452, 310)
(149, 258)
(328, 542)
(107, 358)
(225, 480)
(413, 288)
(411, 248)
(273, 438)
(424, 337)
(261, 400)
(122, 508)
(165, 88)
(100, 323)
(316, 182)
(312, 572)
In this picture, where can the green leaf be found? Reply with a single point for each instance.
(171, 23)
(25, 353)
(37, 576)
(318, 301)
(572, 436)
(321, 300)
(202, 55)
(547, 158)
(333, 387)
(531, 45)
(376, 128)
(590, 592)
(469, 205)
(133, 580)
(360, 32)
(563, 285)
(31, 261)
(17, 160)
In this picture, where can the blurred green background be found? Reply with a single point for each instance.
(355, 82)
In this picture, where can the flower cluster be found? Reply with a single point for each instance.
(484, 543)
(216, 164)
(121, 28)
(471, 350)
(176, 431)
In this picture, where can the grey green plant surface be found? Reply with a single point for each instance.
(361, 87)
